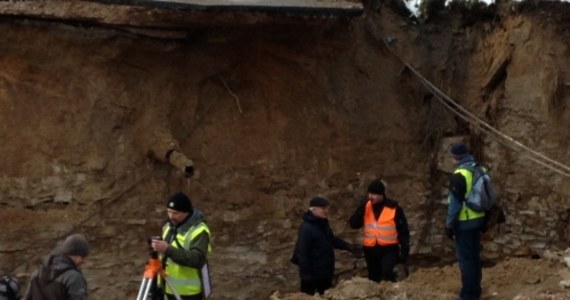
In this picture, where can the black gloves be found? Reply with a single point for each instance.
(356, 250)
(449, 233)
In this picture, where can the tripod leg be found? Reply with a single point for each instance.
(142, 290)
(155, 292)
(147, 288)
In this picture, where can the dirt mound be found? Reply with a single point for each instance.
(513, 278)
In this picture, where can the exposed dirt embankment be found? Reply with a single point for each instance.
(270, 116)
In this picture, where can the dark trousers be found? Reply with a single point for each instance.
(315, 285)
(467, 248)
(380, 261)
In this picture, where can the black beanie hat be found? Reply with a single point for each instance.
(459, 150)
(180, 202)
(75, 244)
(376, 187)
(319, 202)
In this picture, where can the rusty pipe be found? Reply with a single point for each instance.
(181, 162)
(168, 152)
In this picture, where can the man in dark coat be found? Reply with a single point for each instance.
(314, 251)
(59, 277)
(386, 237)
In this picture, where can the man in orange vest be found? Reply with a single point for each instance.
(386, 240)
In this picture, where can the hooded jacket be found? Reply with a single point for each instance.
(457, 190)
(195, 255)
(57, 278)
(314, 251)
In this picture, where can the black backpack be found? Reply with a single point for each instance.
(9, 288)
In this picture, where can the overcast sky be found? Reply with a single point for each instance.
(413, 4)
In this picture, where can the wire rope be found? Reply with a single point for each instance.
(494, 133)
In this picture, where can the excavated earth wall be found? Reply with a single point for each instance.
(272, 116)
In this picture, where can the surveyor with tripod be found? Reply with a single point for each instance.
(183, 250)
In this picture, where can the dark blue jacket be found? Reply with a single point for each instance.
(457, 190)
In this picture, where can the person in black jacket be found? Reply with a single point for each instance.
(59, 277)
(314, 250)
(386, 240)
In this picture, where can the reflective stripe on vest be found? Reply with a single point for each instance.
(466, 213)
(185, 280)
(382, 231)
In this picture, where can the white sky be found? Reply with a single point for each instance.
(414, 4)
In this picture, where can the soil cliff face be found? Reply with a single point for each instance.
(270, 117)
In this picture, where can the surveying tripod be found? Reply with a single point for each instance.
(152, 270)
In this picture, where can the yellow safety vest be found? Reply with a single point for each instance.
(466, 213)
(185, 280)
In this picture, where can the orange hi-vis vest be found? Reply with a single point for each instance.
(382, 231)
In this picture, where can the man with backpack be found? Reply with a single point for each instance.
(464, 223)
(59, 277)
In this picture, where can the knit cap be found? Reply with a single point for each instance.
(75, 244)
(376, 187)
(319, 202)
(180, 202)
(459, 150)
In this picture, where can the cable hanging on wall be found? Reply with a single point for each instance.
(492, 132)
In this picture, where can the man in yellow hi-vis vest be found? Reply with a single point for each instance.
(464, 224)
(183, 249)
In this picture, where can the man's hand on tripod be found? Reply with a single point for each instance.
(159, 246)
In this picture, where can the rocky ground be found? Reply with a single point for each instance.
(546, 277)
